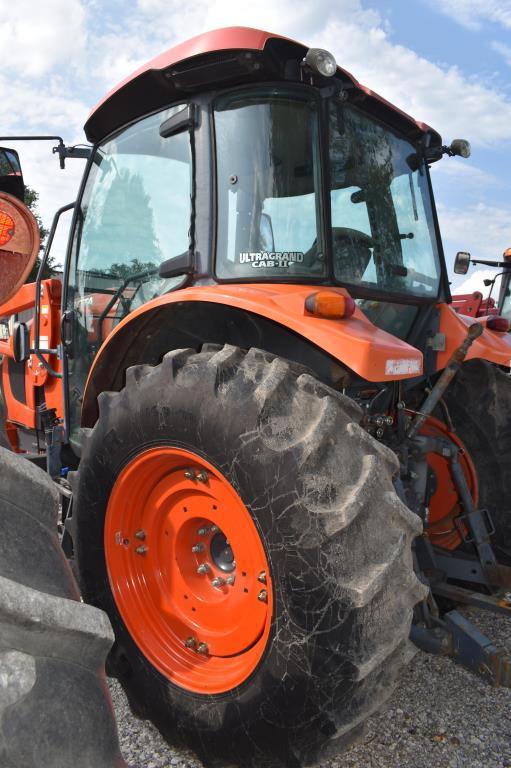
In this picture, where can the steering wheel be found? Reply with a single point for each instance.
(351, 252)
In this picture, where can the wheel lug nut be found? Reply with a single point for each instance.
(198, 548)
(263, 596)
(204, 568)
(140, 534)
(190, 642)
(189, 474)
(218, 581)
(202, 476)
(203, 531)
(141, 550)
(262, 577)
(202, 648)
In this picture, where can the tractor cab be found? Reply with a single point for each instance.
(270, 166)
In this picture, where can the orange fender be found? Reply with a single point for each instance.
(373, 354)
(493, 346)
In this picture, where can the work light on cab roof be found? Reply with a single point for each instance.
(321, 62)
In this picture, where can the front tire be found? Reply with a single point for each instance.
(317, 491)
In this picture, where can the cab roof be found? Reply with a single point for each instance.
(221, 58)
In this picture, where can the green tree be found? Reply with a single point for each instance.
(50, 268)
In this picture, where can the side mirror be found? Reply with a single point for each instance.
(20, 342)
(462, 263)
(19, 245)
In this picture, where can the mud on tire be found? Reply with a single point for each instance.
(336, 536)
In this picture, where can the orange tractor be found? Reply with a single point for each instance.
(474, 304)
(276, 441)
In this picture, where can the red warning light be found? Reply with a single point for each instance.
(7, 228)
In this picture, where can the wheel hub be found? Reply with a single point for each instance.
(221, 553)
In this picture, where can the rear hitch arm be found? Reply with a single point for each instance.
(447, 375)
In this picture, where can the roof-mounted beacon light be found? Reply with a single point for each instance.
(321, 62)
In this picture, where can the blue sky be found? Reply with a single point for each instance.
(447, 62)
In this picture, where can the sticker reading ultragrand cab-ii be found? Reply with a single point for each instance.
(277, 259)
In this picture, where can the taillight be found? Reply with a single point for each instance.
(497, 323)
(329, 304)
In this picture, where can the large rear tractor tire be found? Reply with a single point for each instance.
(243, 534)
(55, 711)
(479, 403)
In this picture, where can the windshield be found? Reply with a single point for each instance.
(270, 215)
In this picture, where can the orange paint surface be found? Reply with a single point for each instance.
(160, 594)
(373, 354)
(491, 345)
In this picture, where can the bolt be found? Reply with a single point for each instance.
(202, 648)
(380, 432)
(262, 577)
(230, 580)
(389, 420)
(141, 550)
(263, 596)
(140, 534)
(233, 179)
(203, 531)
(204, 568)
(190, 642)
(189, 474)
(198, 548)
(214, 529)
(400, 405)
(202, 476)
(218, 581)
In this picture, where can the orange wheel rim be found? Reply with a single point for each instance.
(188, 570)
(445, 506)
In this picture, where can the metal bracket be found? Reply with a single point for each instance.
(468, 597)
(458, 638)
(476, 652)
(480, 520)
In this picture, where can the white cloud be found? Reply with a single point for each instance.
(475, 282)
(482, 229)
(504, 50)
(462, 173)
(439, 95)
(471, 13)
(101, 46)
(36, 37)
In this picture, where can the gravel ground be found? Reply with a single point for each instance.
(441, 716)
